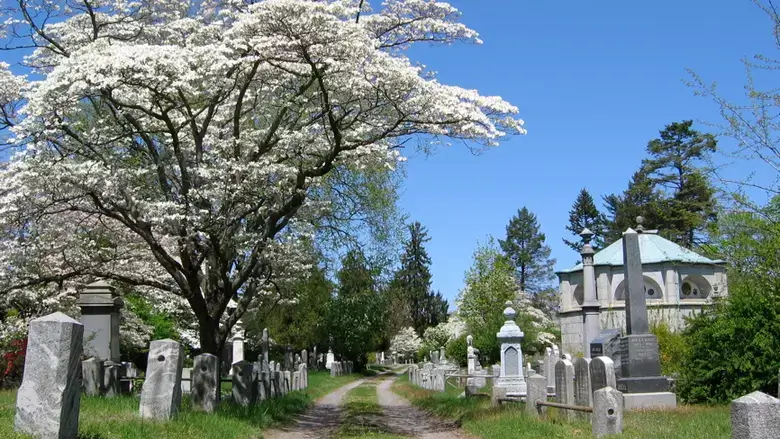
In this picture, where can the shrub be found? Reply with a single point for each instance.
(12, 363)
(672, 348)
(456, 350)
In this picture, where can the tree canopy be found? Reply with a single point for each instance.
(181, 148)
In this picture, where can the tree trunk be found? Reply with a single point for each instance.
(208, 332)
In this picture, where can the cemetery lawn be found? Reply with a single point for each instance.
(479, 419)
(117, 418)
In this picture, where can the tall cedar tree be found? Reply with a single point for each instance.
(412, 283)
(690, 203)
(639, 199)
(669, 191)
(525, 247)
(585, 214)
(357, 313)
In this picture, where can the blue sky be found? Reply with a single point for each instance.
(594, 81)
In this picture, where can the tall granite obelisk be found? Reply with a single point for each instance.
(641, 382)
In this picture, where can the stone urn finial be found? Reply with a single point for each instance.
(586, 235)
(639, 221)
(509, 312)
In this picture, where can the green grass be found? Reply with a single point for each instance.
(360, 409)
(117, 418)
(480, 420)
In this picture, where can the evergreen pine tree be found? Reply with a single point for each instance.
(639, 199)
(525, 247)
(584, 214)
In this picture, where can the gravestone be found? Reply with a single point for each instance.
(112, 373)
(205, 386)
(92, 376)
(329, 359)
(564, 385)
(549, 369)
(583, 395)
(641, 381)
(607, 412)
(435, 357)
(266, 365)
(537, 391)
(305, 357)
(510, 337)
(161, 392)
(244, 384)
(755, 416)
(602, 373)
(607, 344)
(48, 401)
(100, 305)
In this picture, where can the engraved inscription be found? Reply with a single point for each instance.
(512, 363)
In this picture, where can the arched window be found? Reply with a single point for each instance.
(652, 289)
(694, 286)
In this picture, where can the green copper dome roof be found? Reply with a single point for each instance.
(653, 248)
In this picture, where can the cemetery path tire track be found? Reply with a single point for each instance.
(401, 418)
(320, 421)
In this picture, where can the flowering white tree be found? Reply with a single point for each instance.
(406, 342)
(179, 147)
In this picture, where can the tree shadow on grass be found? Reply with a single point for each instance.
(269, 412)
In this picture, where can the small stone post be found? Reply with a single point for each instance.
(537, 391)
(48, 401)
(206, 383)
(92, 376)
(591, 325)
(755, 416)
(607, 412)
(161, 392)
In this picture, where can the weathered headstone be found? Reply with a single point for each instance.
(161, 392)
(48, 401)
(305, 357)
(755, 416)
(602, 373)
(607, 412)
(92, 376)
(549, 368)
(564, 385)
(244, 383)
(640, 362)
(112, 372)
(510, 337)
(607, 344)
(205, 387)
(329, 359)
(537, 391)
(583, 395)
(100, 305)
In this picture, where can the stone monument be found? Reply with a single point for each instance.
(48, 401)
(510, 336)
(100, 305)
(161, 392)
(641, 381)
(591, 324)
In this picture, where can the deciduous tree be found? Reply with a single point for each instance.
(180, 147)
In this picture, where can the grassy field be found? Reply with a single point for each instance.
(480, 420)
(115, 418)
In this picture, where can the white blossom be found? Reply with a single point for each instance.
(406, 342)
(174, 146)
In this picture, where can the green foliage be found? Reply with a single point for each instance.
(163, 324)
(356, 315)
(413, 302)
(585, 215)
(672, 348)
(456, 350)
(300, 323)
(524, 246)
(670, 190)
(732, 348)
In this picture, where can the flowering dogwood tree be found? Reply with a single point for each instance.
(179, 147)
(406, 342)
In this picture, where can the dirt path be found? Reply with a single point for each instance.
(321, 421)
(403, 419)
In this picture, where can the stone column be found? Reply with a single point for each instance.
(48, 401)
(238, 347)
(591, 324)
(510, 336)
(100, 305)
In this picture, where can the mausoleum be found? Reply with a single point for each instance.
(678, 282)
